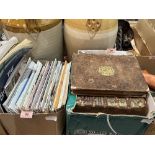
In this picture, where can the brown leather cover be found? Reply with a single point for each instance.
(111, 105)
(107, 75)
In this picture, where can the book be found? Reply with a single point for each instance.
(44, 103)
(12, 80)
(40, 88)
(96, 75)
(10, 59)
(26, 103)
(111, 105)
(7, 45)
(59, 88)
(13, 91)
(10, 65)
(64, 89)
(38, 94)
(43, 91)
(25, 44)
(52, 88)
(20, 88)
(23, 95)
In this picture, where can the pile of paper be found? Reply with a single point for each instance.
(6, 46)
(40, 88)
(11, 53)
(10, 48)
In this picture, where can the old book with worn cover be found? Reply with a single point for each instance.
(112, 105)
(96, 75)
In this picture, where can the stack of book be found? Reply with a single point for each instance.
(109, 84)
(40, 87)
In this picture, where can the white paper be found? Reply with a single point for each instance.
(6, 46)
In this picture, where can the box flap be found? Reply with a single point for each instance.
(146, 30)
(147, 63)
(140, 43)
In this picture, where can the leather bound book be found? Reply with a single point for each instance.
(95, 75)
(111, 105)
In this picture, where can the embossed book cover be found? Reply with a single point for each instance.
(111, 105)
(96, 75)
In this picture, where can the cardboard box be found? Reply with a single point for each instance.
(151, 129)
(144, 36)
(148, 63)
(2, 129)
(39, 124)
(146, 30)
(100, 123)
(140, 44)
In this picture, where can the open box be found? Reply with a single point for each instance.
(101, 123)
(144, 36)
(40, 124)
(148, 63)
(52, 123)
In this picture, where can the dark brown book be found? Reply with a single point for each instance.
(111, 105)
(105, 75)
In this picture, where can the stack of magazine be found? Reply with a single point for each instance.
(11, 52)
(40, 87)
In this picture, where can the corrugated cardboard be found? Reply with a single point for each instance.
(145, 44)
(2, 129)
(40, 124)
(151, 129)
(148, 63)
(140, 43)
(146, 29)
